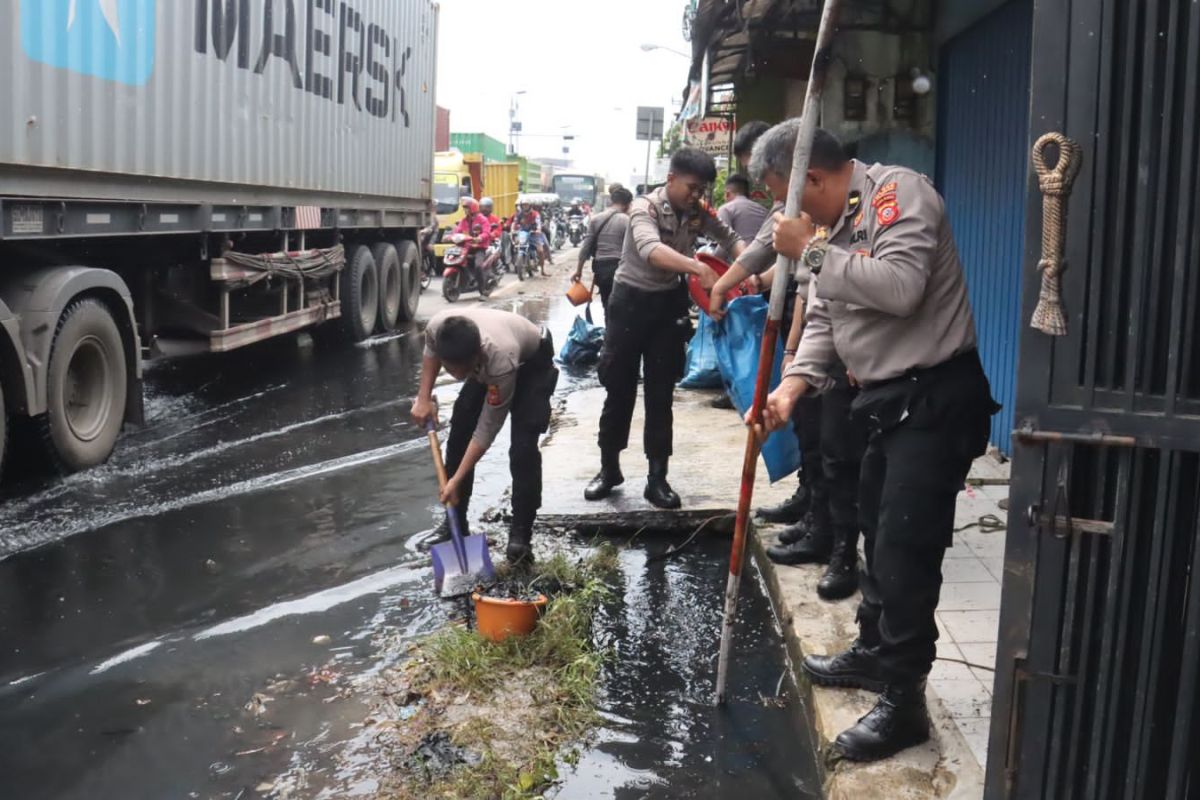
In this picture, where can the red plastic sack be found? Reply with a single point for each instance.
(701, 296)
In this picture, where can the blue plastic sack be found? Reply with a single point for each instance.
(702, 371)
(583, 343)
(738, 339)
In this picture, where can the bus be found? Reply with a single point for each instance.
(588, 188)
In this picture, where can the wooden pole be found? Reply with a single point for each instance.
(822, 56)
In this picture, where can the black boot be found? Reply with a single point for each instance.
(898, 721)
(658, 491)
(442, 532)
(841, 578)
(857, 668)
(607, 479)
(519, 550)
(790, 511)
(814, 546)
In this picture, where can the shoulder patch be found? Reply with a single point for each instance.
(885, 194)
(493, 395)
(887, 213)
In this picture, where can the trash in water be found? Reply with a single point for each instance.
(321, 640)
(257, 705)
(435, 756)
(143, 701)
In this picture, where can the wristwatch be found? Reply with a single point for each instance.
(813, 256)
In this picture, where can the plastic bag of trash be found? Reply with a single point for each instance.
(703, 371)
(738, 339)
(583, 343)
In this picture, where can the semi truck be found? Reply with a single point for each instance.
(197, 176)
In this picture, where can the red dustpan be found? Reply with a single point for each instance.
(462, 563)
(701, 295)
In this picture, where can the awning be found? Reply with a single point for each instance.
(733, 39)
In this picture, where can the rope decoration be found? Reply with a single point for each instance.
(1055, 181)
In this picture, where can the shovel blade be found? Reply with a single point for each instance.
(450, 578)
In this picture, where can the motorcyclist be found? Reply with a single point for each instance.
(487, 208)
(576, 209)
(478, 230)
(529, 219)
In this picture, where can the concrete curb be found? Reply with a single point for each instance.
(942, 768)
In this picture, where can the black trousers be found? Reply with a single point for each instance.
(843, 440)
(924, 435)
(530, 415)
(603, 272)
(647, 332)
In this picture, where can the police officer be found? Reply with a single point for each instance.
(831, 447)
(887, 296)
(506, 364)
(647, 324)
(604, 242)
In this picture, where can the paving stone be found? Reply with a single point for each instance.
(970, 596)
(971, 626)
(966, 570)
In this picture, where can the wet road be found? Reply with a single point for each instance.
(158, 615)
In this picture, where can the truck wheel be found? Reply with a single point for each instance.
(360, 294)
(391, 286)
(85, 387)
(411, 279)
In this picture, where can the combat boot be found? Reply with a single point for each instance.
(841, 577)
(808, 542)
(658, 491)
(898, 721)
(607, 479)
(442, 532)
(856, 668)
(790, 511)
(520, 549)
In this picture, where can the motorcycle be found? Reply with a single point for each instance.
(576, 230)
(559, 237)
(428, 260)
(458, 278)
(525, 257)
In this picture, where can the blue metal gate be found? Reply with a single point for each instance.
(983, 158)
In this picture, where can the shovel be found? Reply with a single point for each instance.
(462, 563)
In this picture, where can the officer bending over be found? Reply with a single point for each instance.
(506, 363)
(891, 302)
(647, 325)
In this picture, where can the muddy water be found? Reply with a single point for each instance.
(197, 617)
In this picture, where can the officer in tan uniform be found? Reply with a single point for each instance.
(888, 297)
(507, 364)
(647, 325)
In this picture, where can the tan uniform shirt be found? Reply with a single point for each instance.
(653, 223)
(611, 239)
(891, 295)
(508, 341)
(759, 255)
(743, 215)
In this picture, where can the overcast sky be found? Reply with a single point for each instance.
(580, 63)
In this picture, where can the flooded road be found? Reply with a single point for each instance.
(193, 618)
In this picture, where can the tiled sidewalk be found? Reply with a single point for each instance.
(969, 612)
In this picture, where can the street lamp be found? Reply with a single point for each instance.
(513, 126)
(646, 48)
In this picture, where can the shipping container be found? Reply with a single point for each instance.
(501, 182)
(491, 149)
(187, 94)
(215, 173)
(441, 138)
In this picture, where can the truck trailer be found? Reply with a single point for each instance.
(196, 176)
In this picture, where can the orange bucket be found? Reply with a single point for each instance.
(579, 294)
(498, 617)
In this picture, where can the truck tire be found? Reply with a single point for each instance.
(359, 294)
(411, 279)
(86, 385)
(391, 286)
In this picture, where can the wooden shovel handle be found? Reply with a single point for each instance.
(435, 447)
